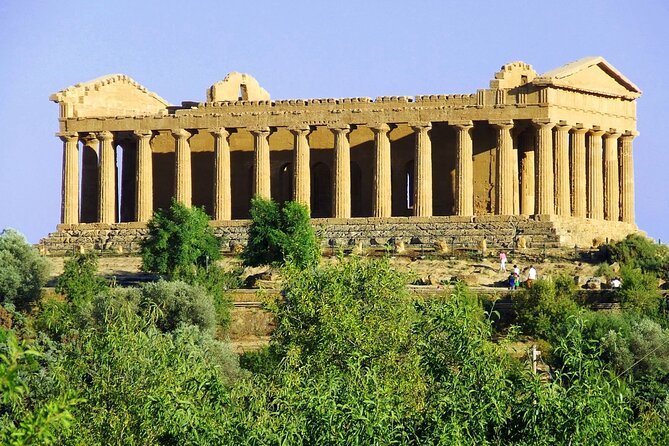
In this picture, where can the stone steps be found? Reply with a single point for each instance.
(500, 232)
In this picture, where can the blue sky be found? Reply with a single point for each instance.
(302, 49)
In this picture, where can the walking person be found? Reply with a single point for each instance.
(502, 261)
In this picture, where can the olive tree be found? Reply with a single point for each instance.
(24, 271)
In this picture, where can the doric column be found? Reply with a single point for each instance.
(144, 191)
(222, 178)
(422, 170)
(562, 189)
(70, 190)
(341, 200)
(611, 183)
(261, 165)
(107, 199)
(183, 187)
(594, 175)
(301, 163)
(545, 184)
(527, 202)
(578, 172)
(464, 169)
(504, 176)
(627, 177)
(382, 198)
(516, 179)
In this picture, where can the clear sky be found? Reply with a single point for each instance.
(306, 49)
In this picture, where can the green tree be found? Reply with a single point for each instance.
(280, 235)
(179, 242)
(23, 272)
(79, 281)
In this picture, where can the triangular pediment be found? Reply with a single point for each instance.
(593, 75)
(108, 96)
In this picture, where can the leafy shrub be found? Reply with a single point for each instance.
(639, 292)
(24, 271)
(138, 385)
(643, 351)
(280, 235)
(173, 304)
(605, 270)
(23, 423)
(543, 309)
(79, 282)
(217, 282)
(640, 252)
(180, 241)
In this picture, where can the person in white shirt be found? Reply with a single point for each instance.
(531, 276)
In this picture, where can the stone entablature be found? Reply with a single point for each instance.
(557, 144)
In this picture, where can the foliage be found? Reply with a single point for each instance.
(20, 422)
(24, 271)
(179, 242)
(280, 235)
(639, 292)
(79, 282)
(139, 385)
(584, 403)
(605, 270)
(173, 304)
(460, 359)
(217, 282)
(637, 251)
(542, 309)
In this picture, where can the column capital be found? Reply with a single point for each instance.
(67, 136)
(221, 132)
(543, 123)
(379, 127)
(629, 135)
(420, 126)
(579, 129)
(612, 134)
(596, 131)
(461, 125)
(181, 133)
(563, 126)
(300, 129)
(142, 134)
(342, 129)
(501, 124)
(260, 131)
(105, 135)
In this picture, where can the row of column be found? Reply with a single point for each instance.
(598, 185)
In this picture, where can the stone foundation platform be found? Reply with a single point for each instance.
(434, 233)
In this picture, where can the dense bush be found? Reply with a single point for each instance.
(639, 292)
(542, 309)
(179, 242)
(79, 281)
(28, 422)
(138, 385)
(173, 304)
(23, 272)
(637, 251)
(280, 235)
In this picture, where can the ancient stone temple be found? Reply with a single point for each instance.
(540, 159)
